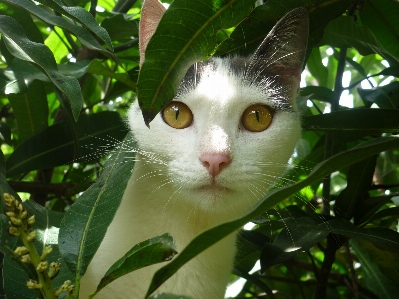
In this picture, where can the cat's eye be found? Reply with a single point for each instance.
(177, 115)
(257, 118)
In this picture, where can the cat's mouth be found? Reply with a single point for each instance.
(214, 188)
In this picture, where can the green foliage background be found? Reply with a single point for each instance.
(69, 71)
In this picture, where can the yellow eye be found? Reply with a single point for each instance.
(257, 118)
(177, 115)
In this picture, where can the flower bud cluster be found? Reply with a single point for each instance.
(18, 216)
(66, 287)
(21, 226)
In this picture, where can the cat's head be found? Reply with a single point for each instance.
(230, 131)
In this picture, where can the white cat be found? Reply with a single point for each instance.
(211, 155)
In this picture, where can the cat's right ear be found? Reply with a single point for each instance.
(151, 13)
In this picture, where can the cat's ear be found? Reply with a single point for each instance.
(281, 54)
(151, 13)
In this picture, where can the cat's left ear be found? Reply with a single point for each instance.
(151, 13)
(282, 52)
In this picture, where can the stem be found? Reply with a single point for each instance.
(332, 246)
(329, 143)
(329, 259)
(123, 6)
(44, 279)
(352, 271)
(93, 6)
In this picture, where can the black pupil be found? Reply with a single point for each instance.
(177, 111)
(257, 115)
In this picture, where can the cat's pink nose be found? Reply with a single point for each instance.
(214, 163)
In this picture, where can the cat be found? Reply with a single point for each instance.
(203, 160)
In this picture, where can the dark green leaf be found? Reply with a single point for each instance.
(354, 122)
(209, 237)
(382, 18)
(82, 16)
(86, 222)
(19, 74)
(31, 110)
(385, 213)
(386, 96)
(318, 93)
(344, 32)
(121, 27)
(374, 279)
(368, 208)
(55, 145)
(316, 67)
(24, 19)
(291, 241)
(5, 132)
(156, 250)
(80, 32)
(387, 261)
(381, 236)
(174, 47)
(21, 47)
(249, 33)
(390, 71)
(359, 179)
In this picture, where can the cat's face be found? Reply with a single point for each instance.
(215, 120)
(228, 135)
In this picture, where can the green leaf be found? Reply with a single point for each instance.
(359, 179)
(80, 32)
(316, 67)
(7, 242)
(385, 213)
(320, 93)
(184, 26)
(355, 123)
(97, 135)
(387, 261)
(5, 133)
(24, 19)
(382, 18)
(96, 67)
(386, 97)
(86, 222)
(152, 251)
(369, 207)
(374, 279)
(291, 241)
(38, 54)
(47, 223)
(31, 110)
(19, 74)
(381, 236)
(211, 236)
(344, 32)
(121, 27)
(250, 33)
(82, 16)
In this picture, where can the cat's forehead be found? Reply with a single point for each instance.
(226, 82)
